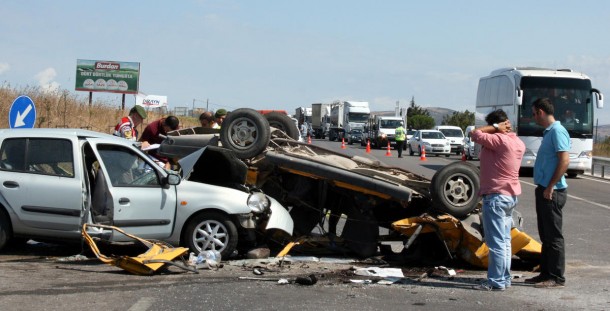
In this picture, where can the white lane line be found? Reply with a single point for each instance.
(595, 179)
(143, 304)
(575, 197)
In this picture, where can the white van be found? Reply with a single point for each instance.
(455, 135)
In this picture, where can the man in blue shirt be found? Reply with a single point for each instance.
(551, 193)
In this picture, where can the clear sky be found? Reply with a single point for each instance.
(282, 54)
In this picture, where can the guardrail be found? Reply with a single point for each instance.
(600, 167)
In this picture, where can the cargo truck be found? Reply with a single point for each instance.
(345, 116)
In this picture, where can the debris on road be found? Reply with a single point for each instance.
(157, 256)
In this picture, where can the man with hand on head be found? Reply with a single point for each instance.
(500, 161)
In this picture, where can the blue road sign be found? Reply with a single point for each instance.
(22, 113)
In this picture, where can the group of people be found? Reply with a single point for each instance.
(501, 157)
(153, 133)
(213, 121)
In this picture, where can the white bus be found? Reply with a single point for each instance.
(515, 89)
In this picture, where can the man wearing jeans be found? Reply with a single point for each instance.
(551, 163)
(500, 161)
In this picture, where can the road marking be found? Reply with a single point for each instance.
(143, 304)
(574, 197)
(595, 179)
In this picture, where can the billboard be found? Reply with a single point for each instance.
(107, 76)
(151, 101)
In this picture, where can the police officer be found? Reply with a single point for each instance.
(400, 136)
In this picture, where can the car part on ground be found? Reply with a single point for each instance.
(462, 238)
(157, 255)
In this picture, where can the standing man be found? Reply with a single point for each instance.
(400, 136)
(207, 120)
(219, 116)
(127, 126)
(551, 194)
(500, 161)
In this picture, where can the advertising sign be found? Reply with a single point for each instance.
(151, 101)
(107, 76)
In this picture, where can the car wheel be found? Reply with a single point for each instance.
(283, 123)
(5, 231)
(411, 151)
(572, 175)
(447, 155)
(245, 132)
(211, 231)
(454, 188)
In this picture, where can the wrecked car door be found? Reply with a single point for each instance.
(143, 204)
(42, 186)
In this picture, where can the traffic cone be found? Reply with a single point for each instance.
(342, 143)
(388, 153)
(422, 157)
(308, 139)
(463, 154)
(368, 146)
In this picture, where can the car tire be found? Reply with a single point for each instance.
(211, 231)
(246, 132)
(411, 153)
(454, 188)
(5, 230)
(283, 123)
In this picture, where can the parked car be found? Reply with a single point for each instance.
(56, 180)
(432, 140)
(470, 148)
(455, 135)
(355, 136)
(410, 133)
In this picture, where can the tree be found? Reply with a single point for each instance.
(461, 119)
(415, 110)
(420, 122)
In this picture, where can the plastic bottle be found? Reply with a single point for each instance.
(212, 259)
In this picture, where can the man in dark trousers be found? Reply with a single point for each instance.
(551, 194)
(400, 136)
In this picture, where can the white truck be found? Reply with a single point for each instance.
(382, 129)
(303, 115)
(345, 116)
(320, 119)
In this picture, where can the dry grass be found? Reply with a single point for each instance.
(602, 149)
(63, 109)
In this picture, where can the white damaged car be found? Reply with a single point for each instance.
(55, 180)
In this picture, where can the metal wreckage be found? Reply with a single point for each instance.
(320, 186)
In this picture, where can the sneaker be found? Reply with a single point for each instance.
(549, 284)
(537, 279)
(485, 286)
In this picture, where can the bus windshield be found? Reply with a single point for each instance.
(572, 101)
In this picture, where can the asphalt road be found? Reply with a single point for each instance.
(36, 277)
